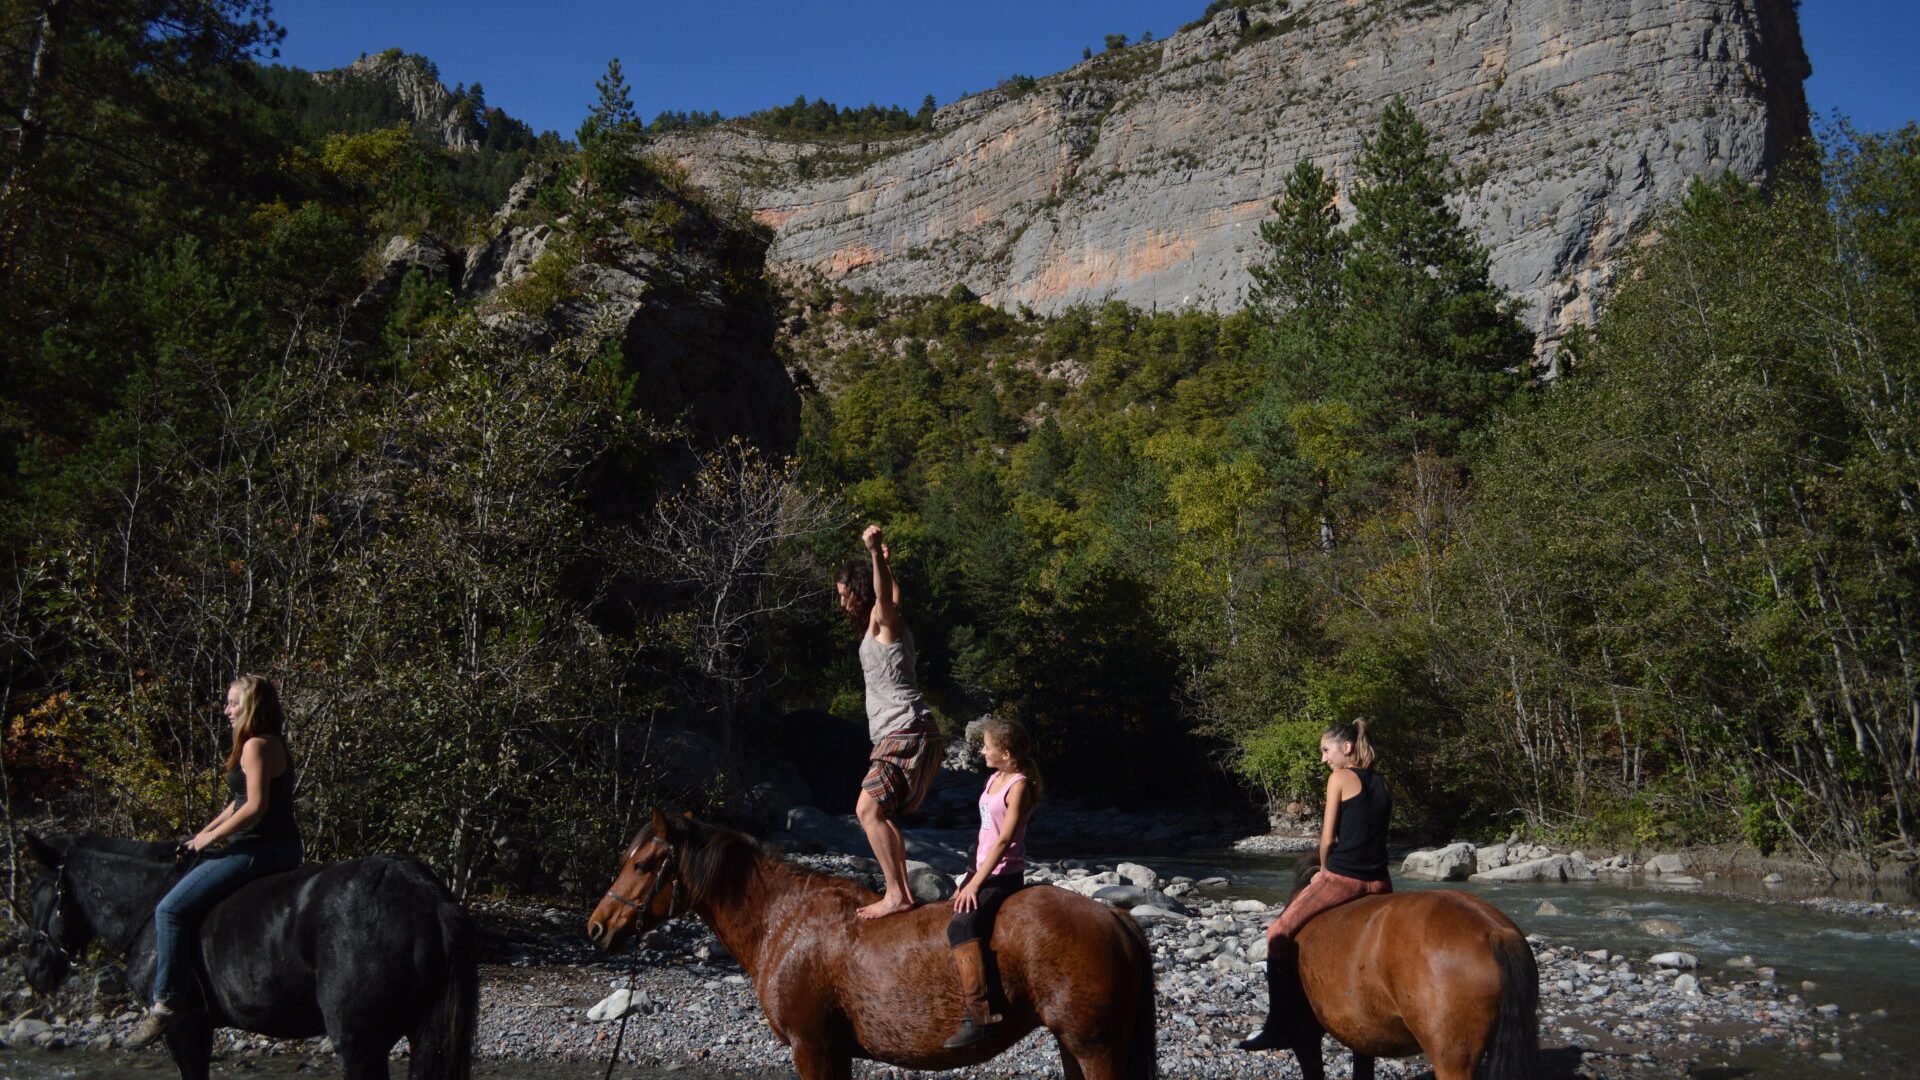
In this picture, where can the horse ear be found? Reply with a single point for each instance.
(662, 826)
(48, 855)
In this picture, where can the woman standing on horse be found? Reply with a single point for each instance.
(258, 827)
(906, 741)
(1353, 863)
(999, 866)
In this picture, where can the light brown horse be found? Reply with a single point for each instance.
(1438, 972)
(835, 987)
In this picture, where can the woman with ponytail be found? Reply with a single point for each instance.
(1353, 863)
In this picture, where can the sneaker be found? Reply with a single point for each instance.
(152, 1026)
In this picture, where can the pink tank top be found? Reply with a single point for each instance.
(993, 819)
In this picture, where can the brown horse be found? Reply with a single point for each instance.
(1440, 972)
(835, 987)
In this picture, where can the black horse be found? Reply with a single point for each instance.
(365, 952)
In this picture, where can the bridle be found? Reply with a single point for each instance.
(59, 896)
(674, 907)
(640, 910)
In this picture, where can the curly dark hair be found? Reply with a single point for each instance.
(857, 576)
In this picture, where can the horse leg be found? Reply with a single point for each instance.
(816, 1058)
(190, 1041)
(1306, 1049)
(364, 1058)
(1069, 1063)
(1094, 1063)
(1362, 1066)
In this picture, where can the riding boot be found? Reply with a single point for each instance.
(1285, 996)
(969, 962)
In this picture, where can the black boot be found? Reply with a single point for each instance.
(1285, 997)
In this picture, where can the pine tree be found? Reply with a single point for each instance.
(1426, 345)
(609, 139)
(1303, 269)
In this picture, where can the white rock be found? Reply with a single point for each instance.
(620, 1003)
(1668, 864)
(1683, 960)
(1248, 906)
(1455, 862)
(1135, 874)
(1150, 913)
(1686, 984)
(1551, 868)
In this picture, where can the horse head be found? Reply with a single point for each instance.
(650, 885)
(57, 928)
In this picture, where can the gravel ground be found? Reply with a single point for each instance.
(1601, 1015)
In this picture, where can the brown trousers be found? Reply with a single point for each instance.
(1326, 890)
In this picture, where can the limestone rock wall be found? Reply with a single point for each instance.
(1142, 176)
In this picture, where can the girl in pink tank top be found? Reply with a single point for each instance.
(1013, 790)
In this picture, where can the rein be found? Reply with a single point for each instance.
(633, 963)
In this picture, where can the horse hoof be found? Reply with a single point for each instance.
(1264, 1039)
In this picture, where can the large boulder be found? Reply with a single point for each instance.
(1669, 864)
(1129, 896)
(1551, 868)
(1455, 862)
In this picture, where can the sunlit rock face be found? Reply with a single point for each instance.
(1143, 175)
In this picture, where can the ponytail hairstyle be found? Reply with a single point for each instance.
(1354, 732)
(1011, 736)
(260, 713)
(857, 576)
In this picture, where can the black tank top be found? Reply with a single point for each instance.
(1360, 834)
(277, 823)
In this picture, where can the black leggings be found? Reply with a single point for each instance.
(977, 925)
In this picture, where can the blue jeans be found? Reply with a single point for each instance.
(217, 876)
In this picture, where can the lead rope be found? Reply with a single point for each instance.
(633, 964)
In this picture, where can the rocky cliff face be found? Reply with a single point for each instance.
(421, 94)
(1143, 175)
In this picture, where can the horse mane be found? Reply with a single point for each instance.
(143, 850)
(712, 848)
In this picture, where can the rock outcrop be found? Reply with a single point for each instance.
(417, 84)
(682, 289)
(1143, 174)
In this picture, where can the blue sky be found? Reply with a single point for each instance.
(539, 61)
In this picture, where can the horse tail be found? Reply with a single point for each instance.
(442, 1039)
(1513, 1052)
(1143, 1056)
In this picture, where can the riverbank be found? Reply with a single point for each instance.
(1602, 1015)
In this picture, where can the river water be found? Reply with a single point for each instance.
(1860, 963)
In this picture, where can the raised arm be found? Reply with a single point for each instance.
(886, 591)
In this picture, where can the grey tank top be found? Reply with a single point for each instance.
(893, 701)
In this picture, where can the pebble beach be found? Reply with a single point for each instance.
(548, 997)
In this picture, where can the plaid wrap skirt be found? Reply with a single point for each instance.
(901, 768)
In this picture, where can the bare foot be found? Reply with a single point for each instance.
(885, 906)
